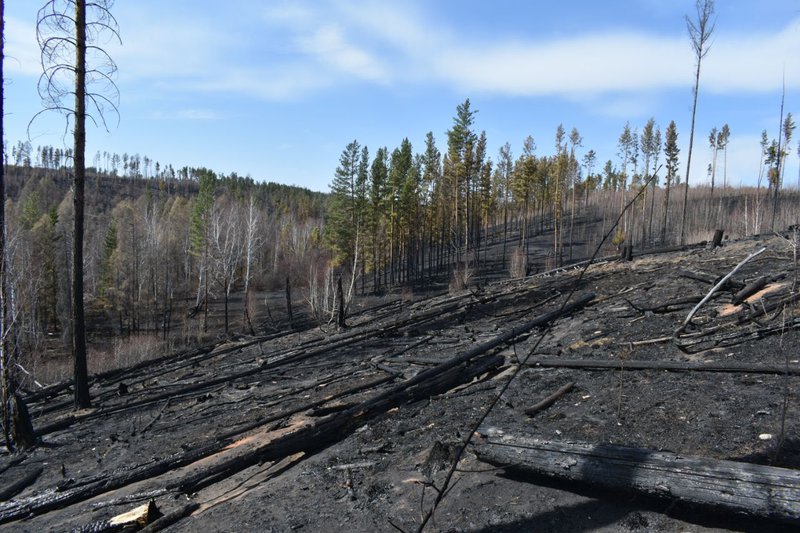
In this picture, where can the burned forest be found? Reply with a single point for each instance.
(582, 333)
(656, 393)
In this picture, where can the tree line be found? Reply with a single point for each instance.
(403, 217)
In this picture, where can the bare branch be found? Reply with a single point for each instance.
(54, 31)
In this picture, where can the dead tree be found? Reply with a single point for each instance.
(700, 33)
(17, 430)
(69, 34)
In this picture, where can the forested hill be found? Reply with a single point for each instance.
(107, 188)
(158, 242)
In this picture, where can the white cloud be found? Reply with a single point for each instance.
(401, 43)
(330, 46)
(580, 66)
(602, 63)
(22, 55)
(310, 47)
(754, 63)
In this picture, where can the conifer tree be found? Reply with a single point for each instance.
(378, 177)
(64, 57)
(432, 199)
(460, 145)
(505, 170)
(342, 213)
(671, 152)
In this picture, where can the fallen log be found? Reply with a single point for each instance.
(133, 519)
(54, 499)
(315, 435)
(669, 307)
(676, 366)
(745, 488)
(309, 437)
(750, 289)
(714, 289)
(312, 437)
(550, 400)
(170, 518)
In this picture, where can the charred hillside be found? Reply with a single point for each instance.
(671, 357)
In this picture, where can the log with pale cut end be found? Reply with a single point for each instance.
(745, 488)
(134, 519)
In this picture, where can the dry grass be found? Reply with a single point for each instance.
(127, 351)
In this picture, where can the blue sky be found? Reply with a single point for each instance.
(277, 89)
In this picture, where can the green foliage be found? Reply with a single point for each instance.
(671, 152)
(107, 266)
(30, 211)
(201, 212)
(343, 218)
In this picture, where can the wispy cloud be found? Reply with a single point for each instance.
(331, 48)
(754, 63)
(580, 66)
(21, 49)
(307, 48)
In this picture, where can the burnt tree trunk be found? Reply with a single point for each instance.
(340, 315)
(745, 488)
(82, 399)
(289, 302)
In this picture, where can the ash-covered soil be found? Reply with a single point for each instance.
(357, 430)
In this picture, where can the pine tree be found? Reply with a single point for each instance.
(432, 199)
(460, 145)
(671, 152)
(378, 177)
(505, 171)
(342, 213)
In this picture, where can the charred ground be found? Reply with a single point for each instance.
(357, 429)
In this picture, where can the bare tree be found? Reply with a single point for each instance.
(700, 32)
(71, 46)
(17, 430)
(227, 248)
(252, 241)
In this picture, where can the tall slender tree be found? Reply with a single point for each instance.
(65, 34)
(505, 170)
(700, 31)
(16, 425)
(343, 215)
(671, 152)
(461, 141)
(575, 141)
(712, 143)
(723, 138)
